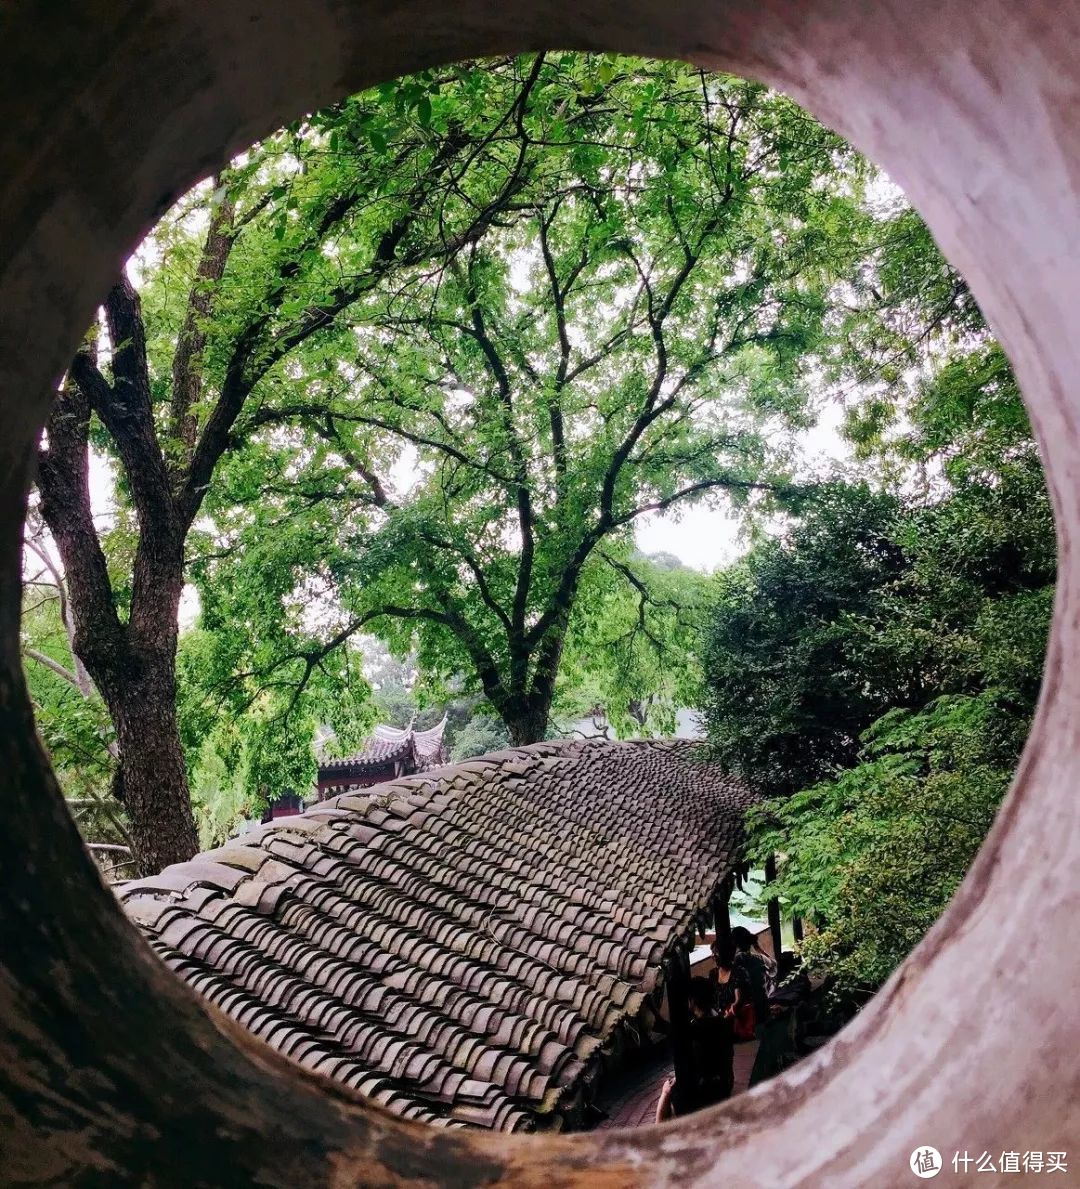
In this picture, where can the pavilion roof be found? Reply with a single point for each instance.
(461, 945)
(387, 744)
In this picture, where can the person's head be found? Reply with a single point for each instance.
(700, 995)
(743, 939)
(723, 953)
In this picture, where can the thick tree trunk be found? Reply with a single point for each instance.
(152, 775)
(133, 664)
(530, 724)
(532, 711)
(526, 711)
(139, 687)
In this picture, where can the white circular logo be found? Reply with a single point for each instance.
(925, 1162)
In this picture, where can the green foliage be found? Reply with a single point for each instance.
(74, 726)
(72, 720)
(617, 307)
(246, 741)
(793, 670)
(912, 683)
(480, 735)
(908, 321)
(220, 783)
(626, 650)
(874, 855)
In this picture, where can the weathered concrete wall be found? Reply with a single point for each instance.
(109, 1071)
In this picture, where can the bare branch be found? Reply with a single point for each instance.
(55, 666)
(82, 678)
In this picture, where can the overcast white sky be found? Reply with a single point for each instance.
(707, 537)
(702, 537)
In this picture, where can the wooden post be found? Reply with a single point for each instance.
(796, 928)
(722, 911)
(773, 907)
(678, 989)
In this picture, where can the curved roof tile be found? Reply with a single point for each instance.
(461, 944)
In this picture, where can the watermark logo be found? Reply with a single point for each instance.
(1011, 1162)
(925, 1162)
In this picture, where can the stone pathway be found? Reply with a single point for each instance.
(631, 1100)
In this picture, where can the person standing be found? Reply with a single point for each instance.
(712, 1058)
(730, 986)
(757, 968)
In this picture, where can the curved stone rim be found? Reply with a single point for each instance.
(110, 112)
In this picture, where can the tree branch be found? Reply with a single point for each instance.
(514, 448)
(329, 434)
(82, 678)
(469, 559)
(63, 481)
(191, 342)
(708, 485)
(54, 666)
(559, 292)
(312, 412)
(125, 408)
(258, 349)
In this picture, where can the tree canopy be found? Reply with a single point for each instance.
(630, 328)
(874, 670)
(794, 669)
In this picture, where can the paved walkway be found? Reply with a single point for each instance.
(630, 1100)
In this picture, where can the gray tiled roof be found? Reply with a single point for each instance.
(459, 945)
(387, 744)
(377, 751)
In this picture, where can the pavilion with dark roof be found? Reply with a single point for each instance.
(468, 946)
(389, 752)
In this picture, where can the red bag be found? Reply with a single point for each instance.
(745, 1021)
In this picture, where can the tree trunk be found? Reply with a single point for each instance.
(526, 713)
(529, 725)
(135, 669)
(132, 663)
(152, 775)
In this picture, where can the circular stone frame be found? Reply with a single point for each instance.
(111, 1072)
